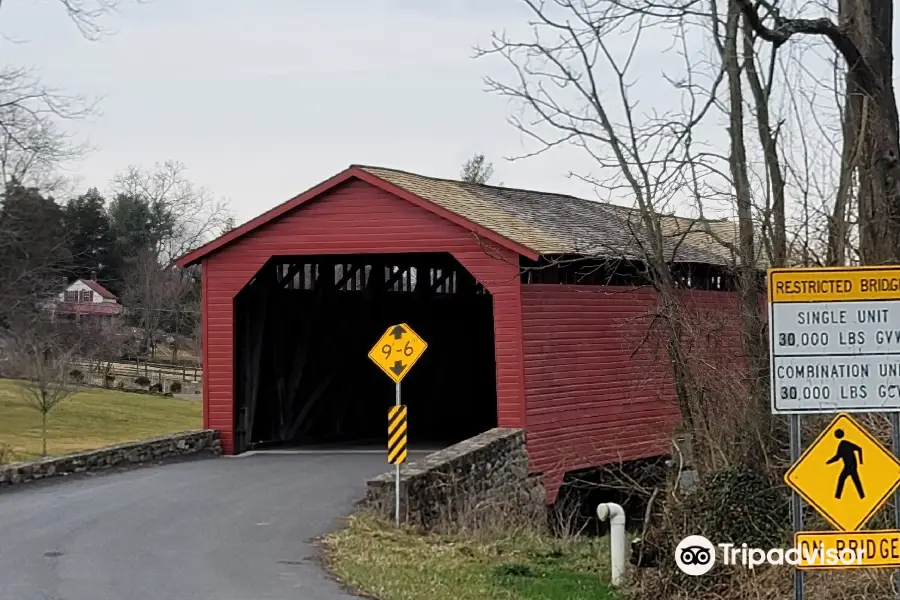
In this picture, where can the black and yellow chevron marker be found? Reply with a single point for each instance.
(397, 435)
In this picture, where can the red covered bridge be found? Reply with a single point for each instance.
(533, 306)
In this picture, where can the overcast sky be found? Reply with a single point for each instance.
(264, 99)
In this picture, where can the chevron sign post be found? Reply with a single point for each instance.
(395, 353)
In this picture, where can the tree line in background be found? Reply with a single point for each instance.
(127, 236)
(49, 236)
(127, 241)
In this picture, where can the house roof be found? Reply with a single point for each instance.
(99, 289)
(530, 222)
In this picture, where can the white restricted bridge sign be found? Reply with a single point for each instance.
(834, 336)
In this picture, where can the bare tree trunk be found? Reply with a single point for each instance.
(864, 39)
(754, 347)
(770, 148)
(853, 122)
(879, 173)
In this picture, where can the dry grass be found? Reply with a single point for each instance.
(90, 419)
(374, 558)
(734, 432)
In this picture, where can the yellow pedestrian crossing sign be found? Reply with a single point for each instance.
(846, 474)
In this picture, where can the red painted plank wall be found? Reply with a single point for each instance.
(355, 218)
(589, 398)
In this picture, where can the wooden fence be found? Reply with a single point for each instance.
(154, 371)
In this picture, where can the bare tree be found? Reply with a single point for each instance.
(33, 144)
(575, 89)
(184, 320)
(33, 149)
(574, 79)
(863, 37)
(192, 212)
(29, 110)
(42, 357)
(755, 349)
(98, 342)
(761, 87)
(154, 293)
(817, 157)
(197, 338)
(477, 170)
(228, 224)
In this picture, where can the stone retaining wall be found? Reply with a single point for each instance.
(474, 483)
(132, 453)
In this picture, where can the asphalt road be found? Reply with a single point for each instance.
(222, 529)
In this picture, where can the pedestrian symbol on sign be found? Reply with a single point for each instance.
(847, 452)
(818, 479)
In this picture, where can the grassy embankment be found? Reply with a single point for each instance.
(89, 419)
(373, 558)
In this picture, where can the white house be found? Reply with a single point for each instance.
(87, 298)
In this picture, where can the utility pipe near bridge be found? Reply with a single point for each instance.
(615, 514)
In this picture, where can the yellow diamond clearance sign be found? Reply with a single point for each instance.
(845, 474)
(397, 350)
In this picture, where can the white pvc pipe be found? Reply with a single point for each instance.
(617, 544)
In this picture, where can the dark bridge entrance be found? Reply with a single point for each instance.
(304, 327)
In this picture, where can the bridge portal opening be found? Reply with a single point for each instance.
(303, 330)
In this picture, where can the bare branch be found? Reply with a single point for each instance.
(33, 146)
(192, 214)
(42, 356)
(88, 14)
(785, 28)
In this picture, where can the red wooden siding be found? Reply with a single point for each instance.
(204, 324)
(590, 399)
(356, 218)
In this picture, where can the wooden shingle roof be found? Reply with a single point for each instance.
(553, 224)
(529, 222)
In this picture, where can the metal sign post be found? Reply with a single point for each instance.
(796, 503)
(895, 446)
(395, 352)
(397, 478)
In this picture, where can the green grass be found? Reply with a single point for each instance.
(89, 419)
(374, 558)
